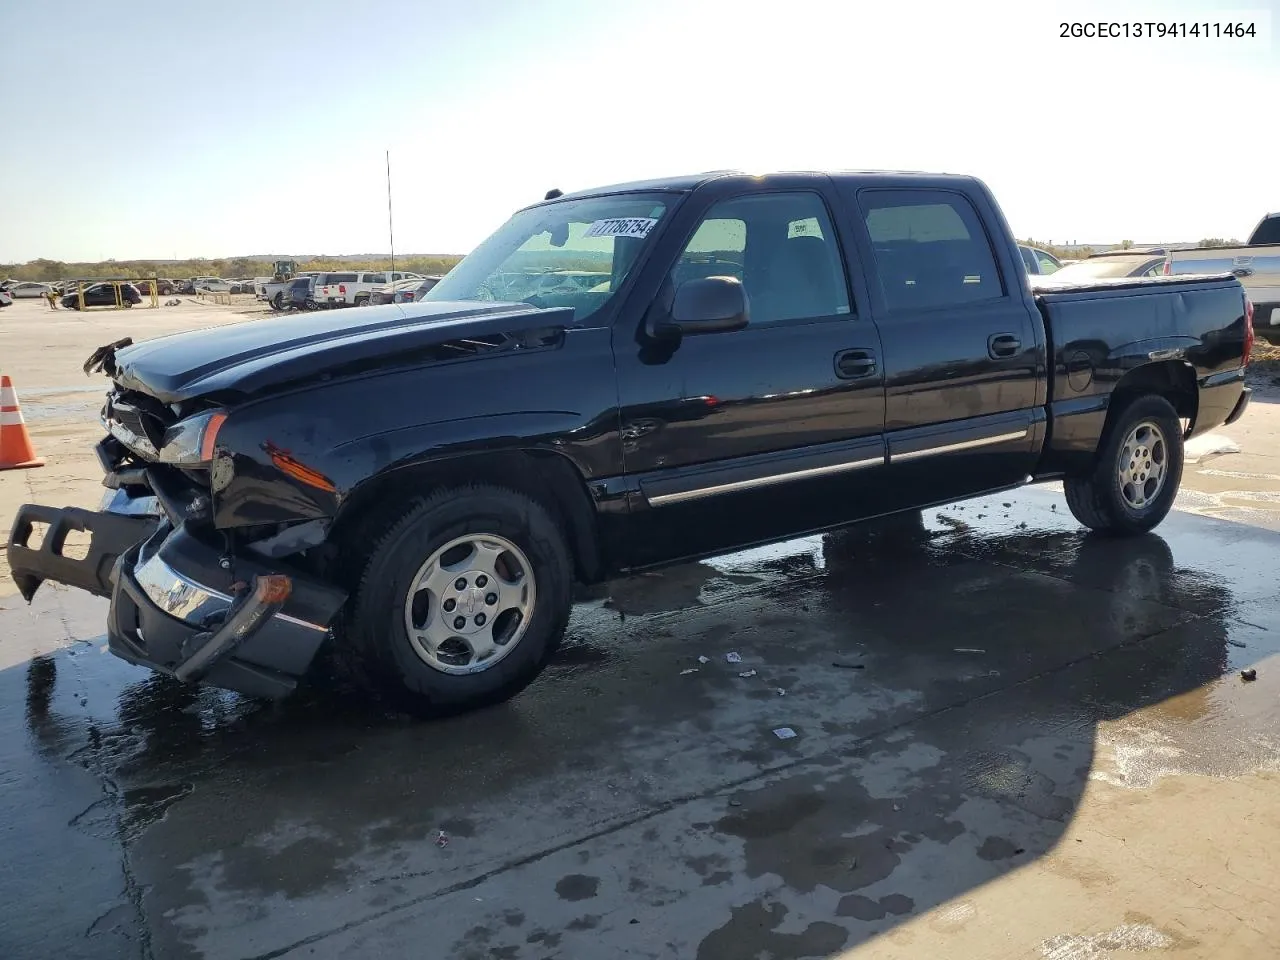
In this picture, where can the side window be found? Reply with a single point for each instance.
(930, 249)
(1047, 263)
(781, 246)
(375, 278)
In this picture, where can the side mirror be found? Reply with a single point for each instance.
(709, 305)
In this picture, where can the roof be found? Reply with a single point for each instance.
(682, 184)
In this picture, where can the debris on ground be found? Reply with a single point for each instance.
(442, 839)
(841, 665)
(1235, 643)
(685, 673)
(784, 733)
(733, 657)
(735, 803)
(745, 674)
(702, 659)
(780, 691)
(969, 650)
(897, 807)
(1248, 675)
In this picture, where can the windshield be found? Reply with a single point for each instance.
(1104, 267)
(575, 253)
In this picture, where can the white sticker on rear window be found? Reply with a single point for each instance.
(621, 227)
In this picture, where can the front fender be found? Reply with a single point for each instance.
(292, 474)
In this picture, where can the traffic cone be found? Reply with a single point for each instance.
(16, 451)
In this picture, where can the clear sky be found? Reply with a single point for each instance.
(141, 128)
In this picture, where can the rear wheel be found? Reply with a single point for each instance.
(277, 302)
(1136, 476)
(362, 300)
(459, 603)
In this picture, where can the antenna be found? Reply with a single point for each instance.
(390, 227)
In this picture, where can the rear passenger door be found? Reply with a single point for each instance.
(962, 356)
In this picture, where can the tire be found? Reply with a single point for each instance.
(372, 639)
(362, 300)
(277, 302)
(1101, 502)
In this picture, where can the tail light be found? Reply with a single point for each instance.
(342, 288)
(1168, 266)
(1248, 330)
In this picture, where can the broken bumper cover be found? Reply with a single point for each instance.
(174, 609)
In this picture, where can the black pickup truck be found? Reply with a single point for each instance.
(723, 360)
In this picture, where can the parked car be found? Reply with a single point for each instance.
(103, 295)
(347, 482)
(403, 291)
(1039, 262)
(28, 289)
(1257, 265)
(5, 299)
(276, 292)
(300, 294)
(1116, 263)
(355, 288)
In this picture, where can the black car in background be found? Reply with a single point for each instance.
(103, 295)
(301, 294)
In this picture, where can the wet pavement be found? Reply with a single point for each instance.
(1011, 739)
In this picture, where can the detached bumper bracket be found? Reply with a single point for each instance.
(111, 535)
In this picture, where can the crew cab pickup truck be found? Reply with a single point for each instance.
(415, 487)
(1257, 265)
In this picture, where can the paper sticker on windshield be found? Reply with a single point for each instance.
(621, 227)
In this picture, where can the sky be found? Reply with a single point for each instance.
(147, 129)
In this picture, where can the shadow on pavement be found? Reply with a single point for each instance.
(947, 684)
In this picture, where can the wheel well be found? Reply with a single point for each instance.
(1171, 379)
(549, 478)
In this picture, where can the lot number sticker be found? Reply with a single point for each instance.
(621, 227)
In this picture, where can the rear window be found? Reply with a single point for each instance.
(341, 278)
(930, 249)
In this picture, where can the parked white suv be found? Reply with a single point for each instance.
(355, 288)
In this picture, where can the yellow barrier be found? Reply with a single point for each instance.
(117, 287)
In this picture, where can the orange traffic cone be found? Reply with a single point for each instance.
(16, 450)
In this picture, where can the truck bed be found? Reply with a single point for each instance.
(1183, 334)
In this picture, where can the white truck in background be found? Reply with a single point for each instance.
(354, 288)
(1256, 264)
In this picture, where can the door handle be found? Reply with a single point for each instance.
(855, 364)
(1001, 345)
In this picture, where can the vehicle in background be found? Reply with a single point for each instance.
(1110, 265)
(28, 289)
(402, 291)
(772, 356)
(1257, 265)
(5, 299)
(1038, 262)
(6, 284)
(355, 288)
(103, 295)
(299, 294)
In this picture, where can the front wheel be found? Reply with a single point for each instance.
(1137, 473)
(460, 603)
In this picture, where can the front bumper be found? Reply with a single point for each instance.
(172, 602)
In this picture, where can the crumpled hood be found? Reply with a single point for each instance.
(257, 354)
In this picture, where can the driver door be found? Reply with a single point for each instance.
(738, 437)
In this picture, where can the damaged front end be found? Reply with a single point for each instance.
(187, 599)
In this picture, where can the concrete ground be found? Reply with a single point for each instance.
(1011, 740)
